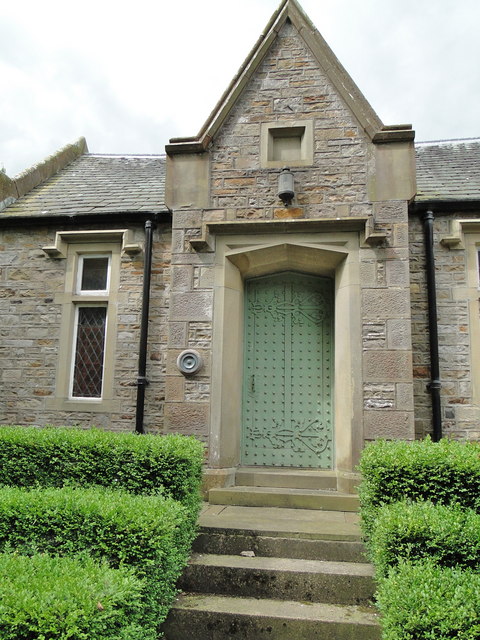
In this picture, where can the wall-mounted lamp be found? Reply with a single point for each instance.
(285, 186)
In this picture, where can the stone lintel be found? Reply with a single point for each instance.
(204, 242)
(63, 238)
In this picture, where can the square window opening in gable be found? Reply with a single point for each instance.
(287, 144)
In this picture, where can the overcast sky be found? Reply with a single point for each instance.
(130, 75)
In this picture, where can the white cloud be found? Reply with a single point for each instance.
(130, 75)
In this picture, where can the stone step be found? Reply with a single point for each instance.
(306, 524)
(216, 618)
(286, 478)
(280, 578)
(234, 542)
(284, 498)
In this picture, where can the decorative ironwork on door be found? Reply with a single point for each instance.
(287, 407)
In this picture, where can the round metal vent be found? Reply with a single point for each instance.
(189, 362)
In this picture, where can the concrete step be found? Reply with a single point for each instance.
(287, 478)
(234, 542)
(284, 498)
(207, 617)
(305, 524)
(280, 578)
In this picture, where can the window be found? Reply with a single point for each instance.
(88, 327)
(93, 278)
(89, 352)
(471, 242)
(93, 274)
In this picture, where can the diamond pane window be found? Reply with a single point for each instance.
(93, 273)
(89, 352)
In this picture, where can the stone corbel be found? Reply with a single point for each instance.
(64, 238)
(456, 238)
(372, 237)
(204, 242)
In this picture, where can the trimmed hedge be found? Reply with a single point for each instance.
(147, 464)
(67, 599)
(450, 536)
(426, 602)
(150, 534)
(444, 472)
(420, 508)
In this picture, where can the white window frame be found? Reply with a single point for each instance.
(79, 306)
(81, 262)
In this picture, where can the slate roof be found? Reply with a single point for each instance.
(448, 170)
(97, 184)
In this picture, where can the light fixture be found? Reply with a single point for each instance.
(285, 186)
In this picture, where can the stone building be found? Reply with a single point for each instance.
(283, 331)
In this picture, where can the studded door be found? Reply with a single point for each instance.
(287, 405)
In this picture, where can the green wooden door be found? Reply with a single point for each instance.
(287, 391)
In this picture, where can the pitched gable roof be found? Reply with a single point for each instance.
(448, 170)
(290, 10)
(97, 184)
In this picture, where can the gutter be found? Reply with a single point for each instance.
(434, 385)
(73, 220)
(445, 206)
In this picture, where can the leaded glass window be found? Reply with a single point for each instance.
(89, 352)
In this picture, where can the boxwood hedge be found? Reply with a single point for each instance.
(444, 472)
(420, 507)
(150, 534)
(422, 601)
(147, 464)
(43, 597)
(450, 536)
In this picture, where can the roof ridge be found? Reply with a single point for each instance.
(446, 141)
(22, 183)
(126, 155)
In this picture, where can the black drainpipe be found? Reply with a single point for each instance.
(435, 384)
(142, 381)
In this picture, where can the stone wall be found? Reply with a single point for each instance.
(289, 87)
(460, 412)
(187, 408)
(386, 330)
(30, 322)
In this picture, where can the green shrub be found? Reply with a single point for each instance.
(67, 599)
(426, 602)
(450, 536)
(445, 472)
(144, 464)
(151, 534)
